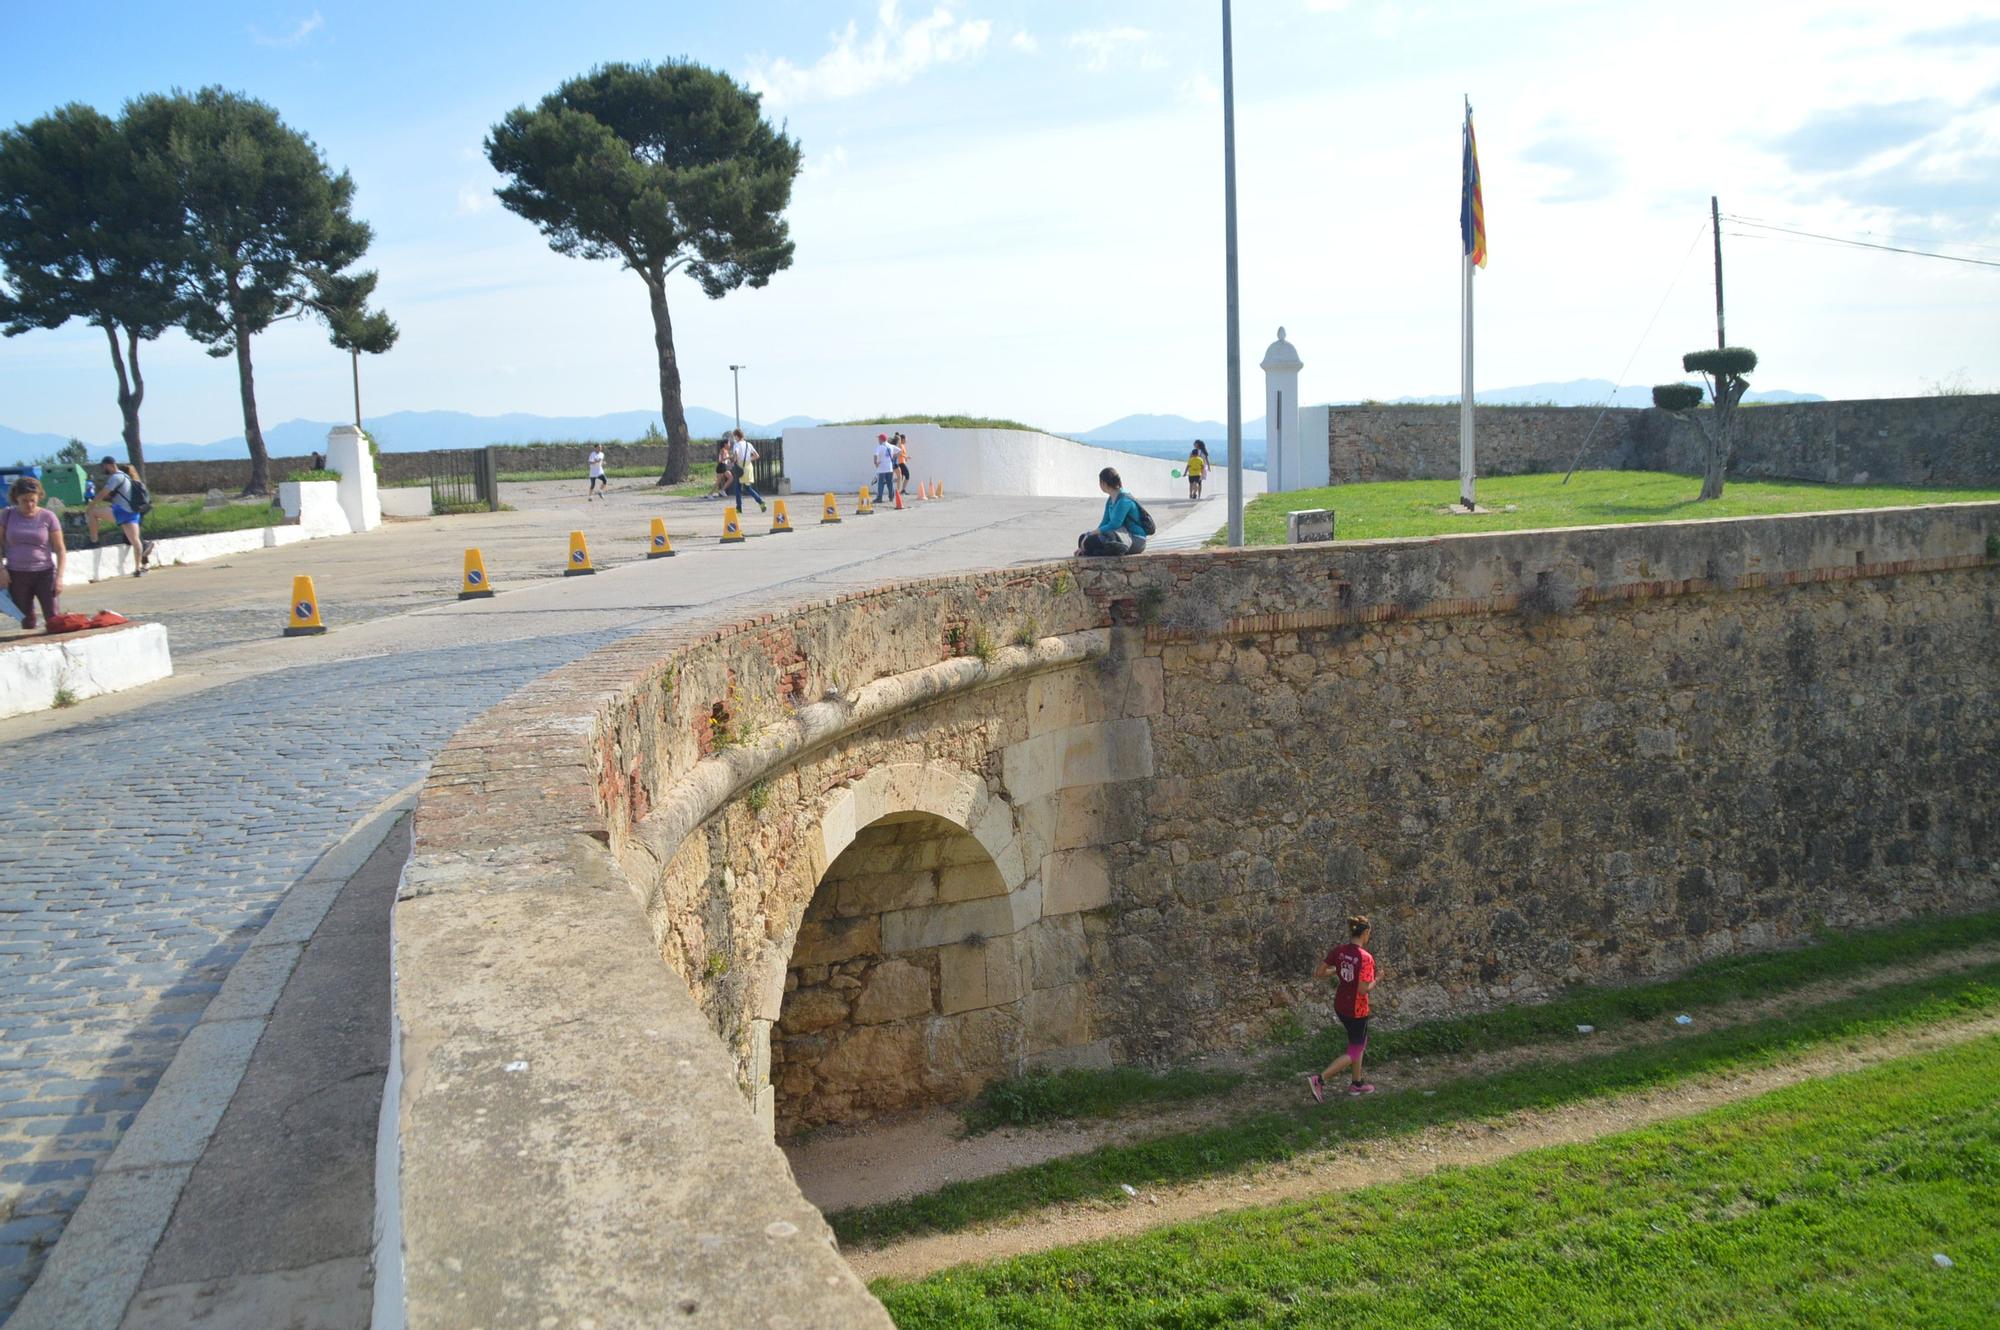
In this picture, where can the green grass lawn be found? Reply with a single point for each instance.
(1818, 1205)
(1411, 507)
(1269, 1137)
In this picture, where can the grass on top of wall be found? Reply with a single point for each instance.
(1820, 1204)
(194, 519)
(1592, 498)
(946, 422)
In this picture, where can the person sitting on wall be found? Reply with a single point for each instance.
(1123, 530)
(116, 492)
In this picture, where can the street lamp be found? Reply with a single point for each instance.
(1229, 247)
(736, 383)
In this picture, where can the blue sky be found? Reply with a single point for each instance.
(1015, 209)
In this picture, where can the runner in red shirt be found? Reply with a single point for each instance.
(1356, 969)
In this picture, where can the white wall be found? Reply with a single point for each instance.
(316, 506)
(974, 461)
(1315, 458)
(87, 664)
(107, 561)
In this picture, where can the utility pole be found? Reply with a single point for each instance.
(1715, 225)
(1229, 246)
(355, 352)
(736, 382)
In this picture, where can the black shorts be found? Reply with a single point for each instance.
(1356, 1027)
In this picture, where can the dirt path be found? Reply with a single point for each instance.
(1365, 1164)
(908, 1156)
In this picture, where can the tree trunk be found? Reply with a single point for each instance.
(131, 392)
(253, 433)
(672, 413)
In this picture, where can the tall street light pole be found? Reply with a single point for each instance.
(736, 383)
(1229, 246)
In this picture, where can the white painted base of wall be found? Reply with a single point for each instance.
(838, 458)
(406, 501)
(108, 561)
(315, 505)
(107, 660)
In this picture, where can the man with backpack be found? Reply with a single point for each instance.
(1125, 526)
(121, 490)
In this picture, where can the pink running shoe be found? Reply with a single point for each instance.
(1359, 1088)
(1317, 1086)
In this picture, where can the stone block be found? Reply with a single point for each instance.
(831, 941)
(894, 990)
(972, 975)
(1063, 700)
(1080, 755)
(812, 1009)
(1075, 880)
(872, 893)
(870, 1057)
(937, 925)
(965, 882)
(1057, 951)
(1056, 1017)
(1095, 1056)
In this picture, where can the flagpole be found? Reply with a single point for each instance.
(1465, 495)
(1235, 366)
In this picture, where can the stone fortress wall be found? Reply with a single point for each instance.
(1950, 440)
(862, 854)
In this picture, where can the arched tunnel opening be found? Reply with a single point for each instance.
(892, 1003)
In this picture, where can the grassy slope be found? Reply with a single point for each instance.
(1818, 1205)
(192, 519)
(1271, 1137)
(1410, 507)
(1077, 1093)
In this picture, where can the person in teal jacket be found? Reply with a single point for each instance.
(1121, 531)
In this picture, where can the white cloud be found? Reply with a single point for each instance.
(1200, 90)
(1024, 41)
(472, 199)
(295, 36)
(895, 52)
(1101, 46)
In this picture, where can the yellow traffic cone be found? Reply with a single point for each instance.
(732, 526)
(659, 547)
(579, 556)
(781, 521)
(474, 586)
(305, 609)
(864, 508)
(829, 513)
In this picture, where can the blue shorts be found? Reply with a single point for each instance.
(123, 516)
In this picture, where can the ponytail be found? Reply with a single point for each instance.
(1357, 924)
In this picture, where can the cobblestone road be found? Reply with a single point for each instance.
(146, 855)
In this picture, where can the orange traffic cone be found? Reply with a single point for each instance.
(899, 500)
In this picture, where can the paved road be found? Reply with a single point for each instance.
(149, 835)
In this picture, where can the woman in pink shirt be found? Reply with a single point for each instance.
(35, 550)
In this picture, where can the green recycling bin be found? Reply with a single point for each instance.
(65, 483)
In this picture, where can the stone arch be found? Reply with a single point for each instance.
(899, 982)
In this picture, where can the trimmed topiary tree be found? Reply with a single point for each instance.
(1727, 372)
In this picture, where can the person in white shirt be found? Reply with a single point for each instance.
(885, 469)
(742, 453)
(596, 461)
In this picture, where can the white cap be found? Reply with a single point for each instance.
(1281, 355)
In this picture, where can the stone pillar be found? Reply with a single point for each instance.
(347, 453)
(1283, 458)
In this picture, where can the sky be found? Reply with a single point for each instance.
(1016, 209)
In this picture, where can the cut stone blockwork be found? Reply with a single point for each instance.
(916, 858)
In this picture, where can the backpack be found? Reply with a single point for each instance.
(1145, 518)
(142, 498)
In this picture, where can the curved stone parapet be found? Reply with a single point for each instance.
(717, 883)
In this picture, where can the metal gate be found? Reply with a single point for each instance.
(464, 480)
(769, 466)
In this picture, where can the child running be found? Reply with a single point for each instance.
(1356, 969)
(1197, 467)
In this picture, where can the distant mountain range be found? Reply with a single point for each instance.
(412, 432)
(420, 431)
(1576, 392)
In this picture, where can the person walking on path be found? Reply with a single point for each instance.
(596, 463)
(1197, 467)
(741, 454)
(885, 469)
(1123, 530)
(1354, 965)
(725, 471)
(902, 464)
(35, 554)
(116, 491)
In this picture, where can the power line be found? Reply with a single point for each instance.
(1638, 346)
(1866, 244)
(1886, 235)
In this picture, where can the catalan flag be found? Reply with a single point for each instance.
(1471, 208)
